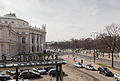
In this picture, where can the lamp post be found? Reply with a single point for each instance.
(94, 37)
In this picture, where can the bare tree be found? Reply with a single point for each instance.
(111, 38)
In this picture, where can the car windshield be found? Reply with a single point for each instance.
(91, 66)
(40, 69)
(79, 64)
(106, 69)
(53, 71)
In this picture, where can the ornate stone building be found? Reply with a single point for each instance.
(17, 36)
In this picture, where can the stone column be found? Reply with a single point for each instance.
(30, 42)
(35, 40)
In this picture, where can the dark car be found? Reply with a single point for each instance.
(29, 74)
(53, 72)
(105, 71)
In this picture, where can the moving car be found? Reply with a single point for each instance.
(29, 74)
(79, 65)
(42, 71)
(117, 76)
(89, 67)
(105, 71)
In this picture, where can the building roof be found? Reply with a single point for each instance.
(11, 16)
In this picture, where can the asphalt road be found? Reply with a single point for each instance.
(86, 73)
(100, 60)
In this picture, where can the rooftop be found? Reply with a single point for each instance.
(10, 15)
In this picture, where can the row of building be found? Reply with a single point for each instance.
(17, 36)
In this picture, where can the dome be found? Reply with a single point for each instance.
(11, 15)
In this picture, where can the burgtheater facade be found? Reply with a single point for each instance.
(17, 36)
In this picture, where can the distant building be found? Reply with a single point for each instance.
(17, 36)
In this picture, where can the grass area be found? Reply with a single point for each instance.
(104, 65)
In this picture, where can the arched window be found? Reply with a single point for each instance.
(23, 39)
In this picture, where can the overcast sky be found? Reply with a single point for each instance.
(65, 19)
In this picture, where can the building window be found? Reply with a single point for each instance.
(37, 48)
(12, 22)
(33, 40)
(23, 40)
(23, 33)
(6, 21)
(33, 48)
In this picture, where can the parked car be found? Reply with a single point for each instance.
(105, 71)
(32, 63)
(16, 64)
(12, 72)
(89, 67)
(2, 65)
(117, 76)
(48, 68)
(42, 71)
(52, 72)
(1, 72)
(23, 64)
(29, 74)
(78, 64)
(9, 65)
(4, 77)
(7, 57)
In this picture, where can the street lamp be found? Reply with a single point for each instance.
(94, 37)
